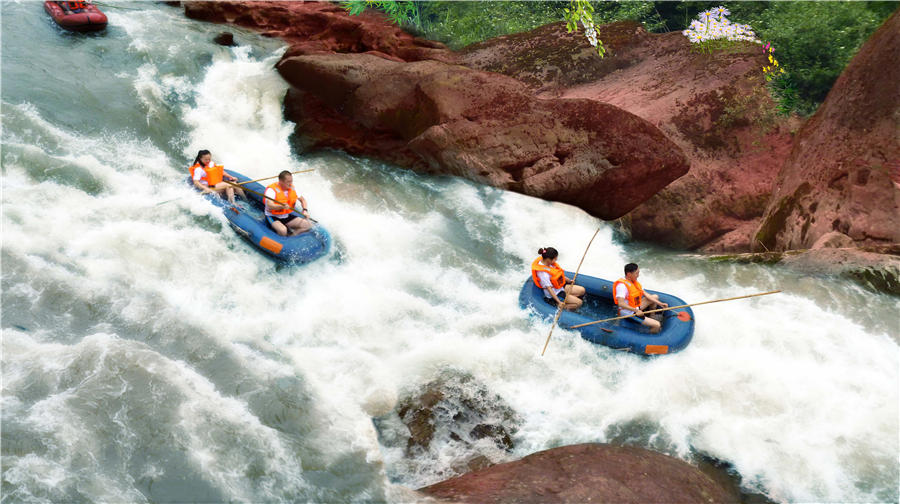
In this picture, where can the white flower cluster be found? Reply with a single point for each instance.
(713, 25)
(590, 31)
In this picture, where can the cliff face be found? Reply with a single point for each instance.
(843, 174)
(713, 106)
(384, 94)
(540, 113)
(486, 127)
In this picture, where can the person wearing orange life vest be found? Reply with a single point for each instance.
(73, 7)
(208, 176)
(632, 299)
(278, 212)
(550, 276)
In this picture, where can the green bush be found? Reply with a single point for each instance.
(459, 24)
(816, 41)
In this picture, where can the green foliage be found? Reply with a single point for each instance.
(582, 11)
(642, 12)
(816, 41)
(399, 12)
(459, 24)
(783, 90)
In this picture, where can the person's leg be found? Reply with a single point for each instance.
(240, 192)
(653, 324)
(229, 190)
(298, 226)
(573, 303)
(277, 226)
(647, 305)
(575, 290)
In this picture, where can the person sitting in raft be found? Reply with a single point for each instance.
(208, 176)
(550, 276)
(72, 7)
(278, 212)
(631, 298)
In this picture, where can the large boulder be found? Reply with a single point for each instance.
(449, 119)
(713, 106)
(843, 173)
(312, 27)
(585, 473)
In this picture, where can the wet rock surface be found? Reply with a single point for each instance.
(713, 106)
(585, 473)
(489, 128)
(876, 268)
(452, 410)
(363, 86)
(843, 173)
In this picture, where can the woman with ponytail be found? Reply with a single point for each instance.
(550, 276)
(208, 176)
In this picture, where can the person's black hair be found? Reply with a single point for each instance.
(630, 268)
(200, 155)
(283, 175)
(548, 253)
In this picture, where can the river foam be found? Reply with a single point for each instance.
(151, 354)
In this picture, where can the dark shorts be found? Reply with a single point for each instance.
(284, 220)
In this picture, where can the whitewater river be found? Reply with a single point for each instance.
(149, 354)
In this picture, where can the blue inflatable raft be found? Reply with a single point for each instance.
(623, 334)
(247, 218)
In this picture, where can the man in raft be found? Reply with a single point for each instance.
(631, 298)
(278, 212)
(550, 276)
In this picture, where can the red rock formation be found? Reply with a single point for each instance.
(312, 27)
(713, 106)
(482, 126)
(585, 473)
(844, 170)
(370, 93)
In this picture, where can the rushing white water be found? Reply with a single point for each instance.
(149, 354)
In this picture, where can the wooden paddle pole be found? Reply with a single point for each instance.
(674, 307)
(267, 178)
(265, 197)
(560, 309)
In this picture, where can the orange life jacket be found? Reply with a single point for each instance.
(635, 293)
(75, 5)
(289, 199)
(214, 173)
(557, 274)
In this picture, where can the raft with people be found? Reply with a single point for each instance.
(76, 16)
(248, 220)
(622, 334)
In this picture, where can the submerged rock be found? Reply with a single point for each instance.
(451, 414)
(224, 39)
(875, 268)
(879, 272)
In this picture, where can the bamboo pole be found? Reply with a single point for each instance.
(267, 178)
(674, 307)
(559, 310)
